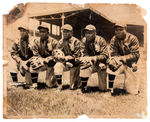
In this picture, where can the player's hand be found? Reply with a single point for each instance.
(134, 67)
(67, 58)
(93, 58)
(85, 59)
(48, 59)
(114, 63)
(23, 65)
(122, 59)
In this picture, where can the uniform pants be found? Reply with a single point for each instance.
(14, 68)
(131, 82)
(74, 73)
(50, 76)
(102, 75)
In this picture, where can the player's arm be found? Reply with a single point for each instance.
(15, 52)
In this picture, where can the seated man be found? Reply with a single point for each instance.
(124, 52)
(43, 60)
(72, 49)
(95, 58)
(21, 53)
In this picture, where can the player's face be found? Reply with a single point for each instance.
(67, 34)
(120, 32)
(43, 33)
(23, 33)
(89, 35)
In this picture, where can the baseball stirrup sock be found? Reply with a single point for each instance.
(14, 77)
(34, 77)
(84, 81)
(111, 80)
(59, 79)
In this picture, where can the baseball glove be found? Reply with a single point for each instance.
(36, 63)
(114, 64)
(85, 62)
(58, 54)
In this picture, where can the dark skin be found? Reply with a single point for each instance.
(23, 33)
(120, 32)
(67, 34)
(89, 35)
(43, 33)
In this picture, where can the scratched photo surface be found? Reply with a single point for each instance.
(63, 60)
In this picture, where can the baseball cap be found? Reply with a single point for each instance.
(25, 27)
(66, 27)
(43, 26)
(118, 24)
(90, 28)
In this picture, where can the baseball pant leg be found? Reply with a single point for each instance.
(50, 77)
(13, 69)
(28, 78)
(34, 77)
(102, 79)
(58, 70)
(74, 77)
(131, 81)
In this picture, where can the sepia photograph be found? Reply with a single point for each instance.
(64, 60)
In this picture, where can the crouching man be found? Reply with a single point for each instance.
(124, 55)
(43, 60)
(21, 54)
(95, 58)
(72, 49)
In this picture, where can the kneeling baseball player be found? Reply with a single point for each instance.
(95, 58)
(124, 55)
(72, 49)
(21, 54)
(43, 59)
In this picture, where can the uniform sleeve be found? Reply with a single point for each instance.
(103, 51)
(15, 52)
(78, 49)
(35, 47)
(113, 47)
(59, 44)
(134, 50)
(55, 43)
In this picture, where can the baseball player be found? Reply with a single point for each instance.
(124, 55)
(43, 60)
(21, 53)
(72, 49)
(95, 58)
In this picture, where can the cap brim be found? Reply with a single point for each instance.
(66, 29)
(19, 28)
(85, 29)
(119, 26)
(41, 27)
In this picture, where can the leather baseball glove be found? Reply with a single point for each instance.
(36, 63)
(58, 54)
(114, 64)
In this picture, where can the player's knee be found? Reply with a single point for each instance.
(102, 66)
(58, 68)
(85, 72)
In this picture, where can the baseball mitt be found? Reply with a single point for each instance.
(58, 54)
(36, 63)
(114, 64)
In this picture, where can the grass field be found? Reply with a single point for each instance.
(52, 103)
